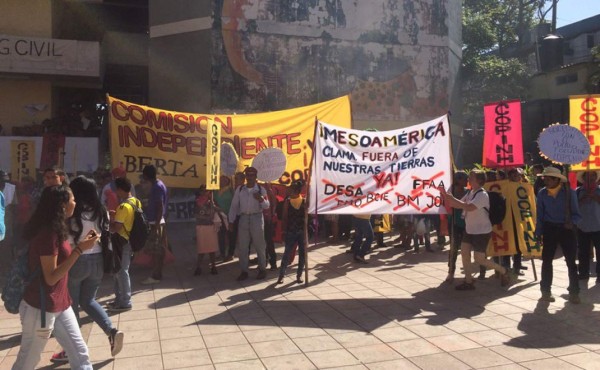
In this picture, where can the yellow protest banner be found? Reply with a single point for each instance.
(22, 159)
(584, 114)
(520, 199)
(213, 156)
(517, 231)
(175, 142)
(502, 242)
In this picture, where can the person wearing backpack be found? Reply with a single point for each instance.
(555, 225)
(122, 226)
(50, 257)
(478, 229)
(85, 276)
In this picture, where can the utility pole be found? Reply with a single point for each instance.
(554, 2)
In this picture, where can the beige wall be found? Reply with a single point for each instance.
(31, 18)
(16, 94)
(26, 18)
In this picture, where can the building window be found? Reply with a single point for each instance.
(566, 79)
(590, 41)
(567, 49)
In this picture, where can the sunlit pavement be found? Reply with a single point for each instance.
(394, 313)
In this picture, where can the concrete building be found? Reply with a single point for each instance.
(399, 60)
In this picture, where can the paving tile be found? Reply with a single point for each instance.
(247, 365)
(479, 358)
(139, 363)
(453, 342)
(415, 347)
(441, 361)
(394, 334)
(332, 358)
(520, 353)
(224, 339)
(288, 362)
(548, 363)
(319, 343)
(428, 331)
(375, 353)
(588, 360)
(274, 348)
(403, 364)
(356, 339)
(488, 338)
(175, 360)
(181, 344)
(141, 336)
(232, 353)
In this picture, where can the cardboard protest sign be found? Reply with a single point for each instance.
(503, 137)
(229, 159)
(383, 172)
(270, 164)
(175, 142)
(213, 155)
(584, 115)
(563, 144)
(517, 231)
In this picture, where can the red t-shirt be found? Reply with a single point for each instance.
(57, 296)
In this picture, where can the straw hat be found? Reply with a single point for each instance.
(580, 176)
(553, 172)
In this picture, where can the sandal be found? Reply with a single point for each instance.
(465, 286)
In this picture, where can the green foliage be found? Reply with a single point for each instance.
(491, 69)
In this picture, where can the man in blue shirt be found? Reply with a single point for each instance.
(155, 214)
(588, 229)
(554, 225)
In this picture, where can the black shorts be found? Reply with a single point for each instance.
(479, 242)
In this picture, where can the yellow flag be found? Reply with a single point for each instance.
(213, 155)
(584, 114)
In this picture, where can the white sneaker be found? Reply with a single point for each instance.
(115, 338)
(149, 281)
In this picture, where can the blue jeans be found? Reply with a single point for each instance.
(33, 339)
(291, 238)
(122, 280)
(84, 279)
(362, 229)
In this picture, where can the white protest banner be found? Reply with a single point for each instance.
(384, 172)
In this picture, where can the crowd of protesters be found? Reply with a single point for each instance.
(94, 216)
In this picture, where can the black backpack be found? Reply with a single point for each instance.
(138, 235)
(497, 210)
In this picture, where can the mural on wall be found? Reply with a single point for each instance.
(390, 55)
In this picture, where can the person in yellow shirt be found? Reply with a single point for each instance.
(123, 222)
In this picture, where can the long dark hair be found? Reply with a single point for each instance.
(49, 214)
(86, 196)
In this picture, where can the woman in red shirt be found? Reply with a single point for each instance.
(49, 250)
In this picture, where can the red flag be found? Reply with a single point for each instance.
(503, 140)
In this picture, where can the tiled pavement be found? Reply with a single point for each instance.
(394, 313)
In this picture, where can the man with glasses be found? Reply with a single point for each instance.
(248, 203)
